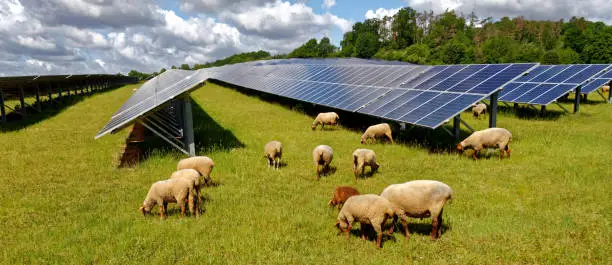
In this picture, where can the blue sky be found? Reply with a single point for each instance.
(110, 36)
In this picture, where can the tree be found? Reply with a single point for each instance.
(550, 57)
(325, 48)
(404, 28)
(367, 45)
(185, 67)
(499, 50)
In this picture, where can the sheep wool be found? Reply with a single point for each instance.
(273, 151)
(379, 130)
(202, 164)
(322, 156)
(365, 209)
(325, 118)
(341, 194)
(418, 199)
(488, 138)
(479, 109)
(169, 191)
(363, 158)
(193, 176)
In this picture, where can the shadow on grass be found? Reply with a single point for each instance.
(208, 134)
(528, 113)
(49, 108)
(436, 141)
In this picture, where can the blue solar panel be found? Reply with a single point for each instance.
(518, 91)
(567, 74)
(441, 76)
(500, 78)
(457, 77)
(423, 77)
(587, 73)
(508, 89)
(357, 104)
(355, 94)
(398, 101)
(594, 85)
(373, 106)
(552, 94)
(451, 109)
(607, 75)
(555, 70)
(533, 93)
(428, 107)
(477, 78)
(533, 73)
(410, 105)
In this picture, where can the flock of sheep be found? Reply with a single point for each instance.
(416, 199)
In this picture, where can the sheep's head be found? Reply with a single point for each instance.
(207, 180)
(342, 226)
(459, 147)
(332, 202)
(314, 126)
(144, 210)
(363, 140)
(375, 167)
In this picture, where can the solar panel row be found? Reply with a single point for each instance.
(598, 81)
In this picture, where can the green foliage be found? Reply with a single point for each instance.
(139, 75)
(367, 45)
(236, 58)
(550, 57)
(499, 50)
(185, 67)
(312, 49)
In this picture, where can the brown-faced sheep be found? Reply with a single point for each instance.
(363, 158)
(366, 209)
(479, 109)
(379, 130)
(202, 164)
(341, 194)
(329, 118)
(605, 89)
(273, 151)
(192, 176)
(169, 191)
(418, 199)
(488, 138)
(322, 156)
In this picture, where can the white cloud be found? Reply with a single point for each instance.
(36, 42)
(100, 62)
(381, 13)
(327, 4)
(210, 6)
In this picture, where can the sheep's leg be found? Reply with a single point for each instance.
(406, 232)
(379, 233)
(348, 230)
(362, 228)
(162, 211)
(390, 138)
(435, 225)
(392, 225)
(439, 225)
(192, 205)
(318, 172)
(182, 204)
(508, 151)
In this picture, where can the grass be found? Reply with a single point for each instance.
(63, 201)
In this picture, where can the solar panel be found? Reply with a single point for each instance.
(598, 81)
(547, 83)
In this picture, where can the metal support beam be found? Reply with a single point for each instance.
(601, 95)
(163, 137)
(50, 92)
(22, 101)
(493, 113)
(2, 109)
(577, 100)
(610, 92)
(447, 131)
(467, 125)
(561, 106)
(188, 137)
(585, 97)
(456, 126)
(38, 98)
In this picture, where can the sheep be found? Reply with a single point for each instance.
(363, 158)
(203, 164)
(341, 194)
(479, 109)
(378, 130)
(488, 138)
(365, 209)
(418, 199)
(324, 118)
(192, 176)
(322, 155)
(605, 89)
(273, 151)
(168, 191)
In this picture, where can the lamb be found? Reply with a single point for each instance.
(322, 156)
(192, 176)
(169, 191)
(605, 89)
(365, 209)
(363, 158)
(488, 138)
(479, 109)
(324, 118)
(273, 151)
(378, 130)
(203, 164)
(418, 199)
(341, 194)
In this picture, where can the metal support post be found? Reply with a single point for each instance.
(2, 109)
(59, 92)
(493, 114)
(22, 100)
(542, 110)
(50, 92)
(577, 100)
(516, 105)
(585, 97)
(456, 126)
(38, 98)
(610, 92)
(188, 137)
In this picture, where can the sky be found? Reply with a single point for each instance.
(39, 37)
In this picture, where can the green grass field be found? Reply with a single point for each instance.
(62, 200)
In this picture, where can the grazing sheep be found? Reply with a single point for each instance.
(324, 118)
(365, 209)
(378, 130)
(273, 151)
(322, 156)
(169, 191)
(341, 194)
(192, 176)
(418, 199)
(605, 89)
(479, 109)
(202, 164)
(363, 158)
(488, 138)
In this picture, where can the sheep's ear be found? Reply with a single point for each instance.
(459, 147)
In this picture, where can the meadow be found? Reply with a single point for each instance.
(64, 201)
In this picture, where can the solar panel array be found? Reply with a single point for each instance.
(421, 95)
(547, 83)
(598, 81)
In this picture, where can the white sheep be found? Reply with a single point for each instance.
(363, 158)
(418, 199)
(273, 151)
(330, 118)
(169, 191)
(203, 164)
(322, 156)
(479, 109)
(379, 130)
(605, 89)
(365, 209)
(192, 176)
(488, 138)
